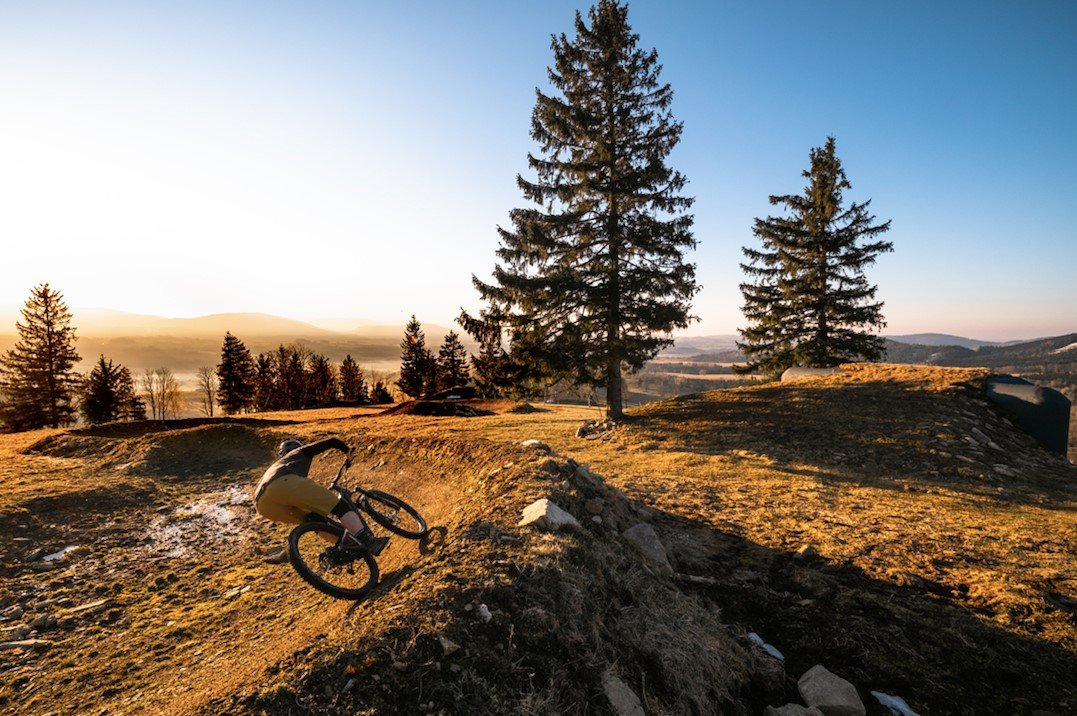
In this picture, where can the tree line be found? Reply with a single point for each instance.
(591, 276)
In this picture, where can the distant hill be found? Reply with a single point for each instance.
(692, 345)
(941, 339)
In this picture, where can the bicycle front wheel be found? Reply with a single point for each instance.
(325, 567)
(394, 514)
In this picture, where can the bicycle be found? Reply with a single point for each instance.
(349, 574)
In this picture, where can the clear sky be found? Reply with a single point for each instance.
(353, 159)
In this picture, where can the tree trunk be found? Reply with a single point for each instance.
(614, 409)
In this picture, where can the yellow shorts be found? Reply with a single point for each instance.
(290, 498)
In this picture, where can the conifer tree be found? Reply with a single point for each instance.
(236, 377)
(265, 383)
(102, 393)
(132, 407)
(415, 360)
(321, 381)
(593, 278)
(379, 394)
(452, 363)
(37, 377)
(808, 301)
(352, 382)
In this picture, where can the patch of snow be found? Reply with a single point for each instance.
(56, 556)
(769, 648)
(894, 704)
(1063, 349)
(209, 519)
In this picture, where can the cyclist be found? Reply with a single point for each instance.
(284, 494)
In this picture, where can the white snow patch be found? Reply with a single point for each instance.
(56, 556)
(769, 648)
(894, 704)
(1063, 349)
(209, 519)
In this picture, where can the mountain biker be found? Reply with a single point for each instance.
(285, 494)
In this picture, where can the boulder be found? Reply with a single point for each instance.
(1043, 413)
(623, 700)
(644, 539)
(831, 694)
(545, 515)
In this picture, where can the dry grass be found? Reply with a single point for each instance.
(945, 574)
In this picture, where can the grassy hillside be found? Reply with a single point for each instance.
(939, 568)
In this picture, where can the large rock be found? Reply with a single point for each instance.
(644, 539)
(545, 515)
(831, 694)
(623, 700)
(1043, 413)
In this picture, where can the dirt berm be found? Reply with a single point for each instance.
(502, 619)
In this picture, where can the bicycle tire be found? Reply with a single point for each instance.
(311, 576)
(385, 508)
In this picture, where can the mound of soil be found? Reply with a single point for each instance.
(525, 409)
(437, 408)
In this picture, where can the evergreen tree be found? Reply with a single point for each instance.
(321, 381)
(37, 376)
(102, 393)
(452, 369)
(236, 377)
(808, 301)
(379, 394)
(593, 279)
(352, 382)
(415, 360)
(265, 383)
(132, 407)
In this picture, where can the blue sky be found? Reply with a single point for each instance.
(322, 160)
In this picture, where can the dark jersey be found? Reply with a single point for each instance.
(298, 461)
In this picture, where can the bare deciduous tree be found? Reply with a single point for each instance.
(162, 393)
(207, 388)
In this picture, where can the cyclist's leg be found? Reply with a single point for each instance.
(309, 496)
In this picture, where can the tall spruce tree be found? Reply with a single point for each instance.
(593, 279)
(808, 301)
(452, 363)
(415, 360)
(38, 382)
(236, 376)
(265, 383)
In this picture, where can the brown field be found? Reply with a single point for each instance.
(944, 571)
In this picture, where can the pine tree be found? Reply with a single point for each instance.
(593, 279)
(37, 376)
(808, 302)
(265, 383)
(103, 396)
(352, 382)
(132, 407)
(235, 374)
(415, 360)
(321, 381)
(379, 394)
(452, 369)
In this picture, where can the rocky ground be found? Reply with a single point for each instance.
(885, 524)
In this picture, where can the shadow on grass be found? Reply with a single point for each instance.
(878, 434)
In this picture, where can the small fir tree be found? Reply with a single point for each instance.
(452, 369)
(321, 381)
(132, 407)
(415, 361)
(808, 301)
(379, 394)
(38, 381)
(352, 382)
(265, 383)
(592, 279)
(103, 392)
(235, 376)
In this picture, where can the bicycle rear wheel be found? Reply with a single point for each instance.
(393, 514)
(325, 567)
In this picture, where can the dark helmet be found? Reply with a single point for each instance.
(287, 446)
